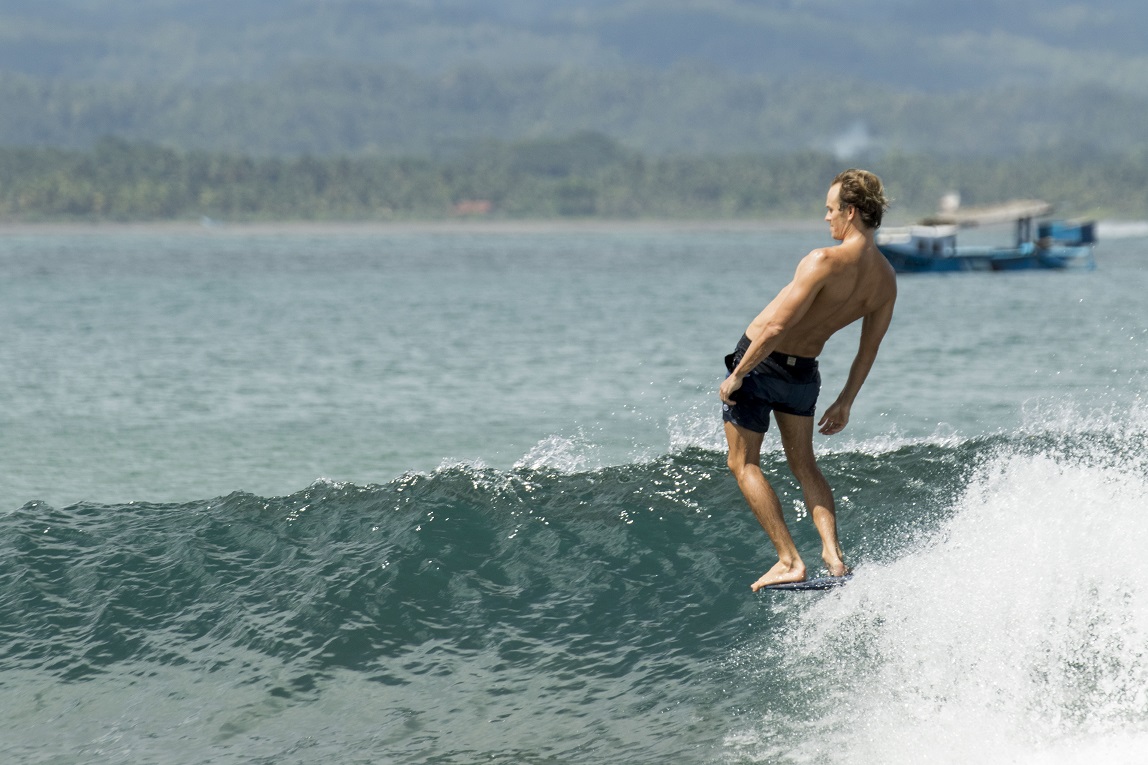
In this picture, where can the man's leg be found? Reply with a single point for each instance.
(745, 463)
(797, 440)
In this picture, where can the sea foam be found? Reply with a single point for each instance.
(1017, 631)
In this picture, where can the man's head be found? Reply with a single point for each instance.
(864, 192)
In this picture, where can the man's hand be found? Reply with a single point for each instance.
(728, 386)
(835, 419)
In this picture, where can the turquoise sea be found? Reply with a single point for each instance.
(458, 495)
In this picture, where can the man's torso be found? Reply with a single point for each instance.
(861, 280)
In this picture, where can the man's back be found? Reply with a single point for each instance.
(853, 280)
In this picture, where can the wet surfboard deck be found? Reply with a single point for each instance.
(820, 583)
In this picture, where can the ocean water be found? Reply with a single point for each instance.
(459, 496)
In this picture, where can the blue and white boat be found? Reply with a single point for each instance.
(931, 246)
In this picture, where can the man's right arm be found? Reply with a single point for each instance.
(873, 329)
(786, 309)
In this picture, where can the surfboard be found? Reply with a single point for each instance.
(820, 583)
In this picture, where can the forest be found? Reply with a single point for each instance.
(518, 109)
(583, 175)
(406, 78)
(326, 109)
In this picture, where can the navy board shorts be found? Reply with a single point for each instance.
(781, 383)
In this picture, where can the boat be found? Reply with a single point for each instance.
(931, 245)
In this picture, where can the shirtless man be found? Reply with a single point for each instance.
(775, 367)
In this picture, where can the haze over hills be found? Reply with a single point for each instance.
(402, 77)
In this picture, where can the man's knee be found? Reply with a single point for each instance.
(802, 461)
(807, 473)
(744, 448)
(739, 463)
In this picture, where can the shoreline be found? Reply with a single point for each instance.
(468, 227)
(1115, 228)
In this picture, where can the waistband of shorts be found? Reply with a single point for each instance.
(793, 362)
(784, 359)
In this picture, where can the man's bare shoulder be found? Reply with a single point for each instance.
(852, 274)
(822, 262)
(825, 262)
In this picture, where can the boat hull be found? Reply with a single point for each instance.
(907, 259)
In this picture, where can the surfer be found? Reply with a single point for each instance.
(774, 368)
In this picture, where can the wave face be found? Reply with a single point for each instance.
(999, 613)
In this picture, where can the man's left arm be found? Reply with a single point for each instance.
(873, 329)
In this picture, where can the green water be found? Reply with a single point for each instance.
(432, 497)
(174, 367)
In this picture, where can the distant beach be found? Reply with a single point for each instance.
(320, 228)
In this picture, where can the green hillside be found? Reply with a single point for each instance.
(430, 77)
(585, 176)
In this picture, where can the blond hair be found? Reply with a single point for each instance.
(864, 191)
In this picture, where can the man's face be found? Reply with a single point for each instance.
(837, 218)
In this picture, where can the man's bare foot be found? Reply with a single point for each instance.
(836, 566)
(781, 573)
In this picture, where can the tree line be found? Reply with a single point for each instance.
(586, 175)
(330, 109)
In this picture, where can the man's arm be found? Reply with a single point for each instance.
(787, 308)
(873, 328)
